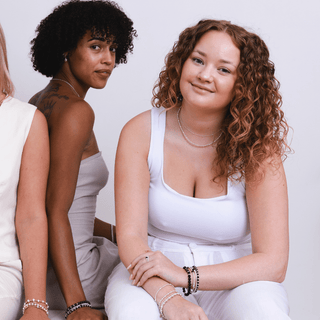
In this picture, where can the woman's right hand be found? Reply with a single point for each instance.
(178, 308)
(87, 314)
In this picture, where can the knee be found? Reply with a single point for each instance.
(258, 300)
(124, 301)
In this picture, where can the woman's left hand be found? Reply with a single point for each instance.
(152, 264)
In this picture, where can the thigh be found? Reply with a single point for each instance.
(124, 301)
(10, 293)
(263, 300)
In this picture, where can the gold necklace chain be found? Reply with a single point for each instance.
(188, 140)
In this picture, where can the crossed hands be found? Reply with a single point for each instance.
(156, 264)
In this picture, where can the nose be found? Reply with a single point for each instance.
(108, 57)
(206, 74)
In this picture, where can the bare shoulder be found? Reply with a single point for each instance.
(135, 135)
(39, 123)
(138, 127)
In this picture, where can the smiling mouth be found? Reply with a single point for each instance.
(202, 88)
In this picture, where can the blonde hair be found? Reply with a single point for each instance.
(6, 85)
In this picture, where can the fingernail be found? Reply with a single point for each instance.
(138, 284)
(130, 278)
(129, 266)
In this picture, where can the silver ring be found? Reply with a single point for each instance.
(147, 258)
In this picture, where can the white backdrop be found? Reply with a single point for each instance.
(291, 30)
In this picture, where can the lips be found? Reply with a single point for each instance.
(199, 86)
(104, 72)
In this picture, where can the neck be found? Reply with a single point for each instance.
(68, 77)
(201, 122)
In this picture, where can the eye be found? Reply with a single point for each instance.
(113, 49)
(95, 47)
(197, 60)
(224, 70)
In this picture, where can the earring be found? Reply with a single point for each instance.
(65, 57)
(180, 97)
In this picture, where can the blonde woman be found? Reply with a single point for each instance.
(24, 163)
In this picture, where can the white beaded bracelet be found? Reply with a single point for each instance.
(155, 297)
(166, 295)
(36, 303)
(165, 301)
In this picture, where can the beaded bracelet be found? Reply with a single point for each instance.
(155, 297)
(186, 293)
(165, 301)
(76, 306)
(36, 303)
(196, 287)
(164, 297)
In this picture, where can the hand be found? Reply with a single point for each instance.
(87, 314)
(33, 313)
(178, 308)
(157, 264)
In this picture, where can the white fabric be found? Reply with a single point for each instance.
(259, 300)
(198, 232)
(96, 256)
(11, 298)
(183, 219)
(15, 122)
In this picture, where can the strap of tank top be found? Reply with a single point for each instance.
(158, 127)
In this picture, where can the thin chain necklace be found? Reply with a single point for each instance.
(196, 134)
(189, 141)
(68, 84)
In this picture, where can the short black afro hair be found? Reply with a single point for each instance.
(61, 31)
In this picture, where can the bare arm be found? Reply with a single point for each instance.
(31, 221)
(132, 180)
(68, 138)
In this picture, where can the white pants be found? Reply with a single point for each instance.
(11, 300)
(259, 300)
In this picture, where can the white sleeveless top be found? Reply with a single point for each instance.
(179, 218)
(15, 122)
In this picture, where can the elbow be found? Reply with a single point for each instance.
(279, 270)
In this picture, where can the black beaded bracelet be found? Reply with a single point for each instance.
(194, 268)
(78, 305)
(186, 293)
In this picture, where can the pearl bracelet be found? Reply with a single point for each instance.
(165, 301)
(36, 303)
(155, 297)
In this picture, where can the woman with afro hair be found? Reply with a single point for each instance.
(201, 196)
(78, 45)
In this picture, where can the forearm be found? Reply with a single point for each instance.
(103, 229)
(63, 257)
(33, 239)
(254, 267)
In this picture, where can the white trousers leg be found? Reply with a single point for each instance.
(259, 300)
(10, 290)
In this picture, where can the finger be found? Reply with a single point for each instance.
(139, 258)
(139, 273)
(136, 268)
(147, 275)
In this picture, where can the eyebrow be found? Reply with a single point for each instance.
(98, 38)
(221, 60)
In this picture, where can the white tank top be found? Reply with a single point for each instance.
(179, 218)
(15, 122)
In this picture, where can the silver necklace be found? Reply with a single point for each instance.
(68, 84)
(189, 141)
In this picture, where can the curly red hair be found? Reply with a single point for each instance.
(254, 129)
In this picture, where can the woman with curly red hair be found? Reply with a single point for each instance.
(201, 196)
